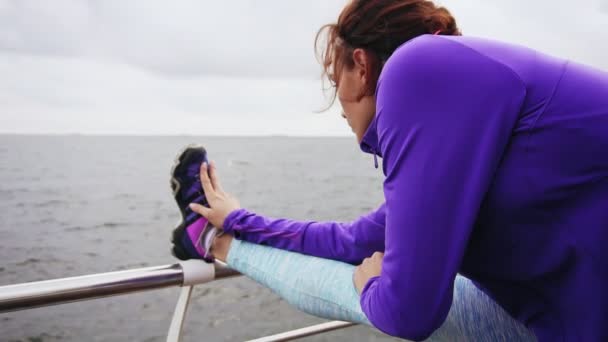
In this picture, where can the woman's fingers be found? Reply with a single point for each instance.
(377, 255)
(200, 209)
(215, 179)
(206, 182)
(220, 203)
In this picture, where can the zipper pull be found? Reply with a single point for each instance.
(375, 160)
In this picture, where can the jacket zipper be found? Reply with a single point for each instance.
(375, 158)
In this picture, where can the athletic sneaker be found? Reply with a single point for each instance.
(193, 236)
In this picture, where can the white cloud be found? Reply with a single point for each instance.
(218, 67)
(63, 95)
(239, 38)
(575, 30)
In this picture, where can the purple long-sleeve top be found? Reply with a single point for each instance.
(496, 165)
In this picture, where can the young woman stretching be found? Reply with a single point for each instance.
(496, 165)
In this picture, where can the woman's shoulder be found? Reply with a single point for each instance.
(439, 45)
(426, 49)
(429, 68)
(431, 55)
(436, 53)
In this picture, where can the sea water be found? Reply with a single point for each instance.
(75, 205)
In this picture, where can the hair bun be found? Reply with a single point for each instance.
(442, 20)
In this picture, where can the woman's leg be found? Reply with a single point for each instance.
(324, 288)
(321, 287)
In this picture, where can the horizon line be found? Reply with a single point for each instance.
(174, 135)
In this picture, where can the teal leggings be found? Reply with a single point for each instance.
(324, 288)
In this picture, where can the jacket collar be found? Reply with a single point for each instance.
(369, 142)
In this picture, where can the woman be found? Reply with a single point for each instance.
(496, 167)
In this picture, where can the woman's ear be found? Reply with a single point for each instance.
(361, 62)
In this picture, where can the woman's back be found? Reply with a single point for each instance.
(537, 246)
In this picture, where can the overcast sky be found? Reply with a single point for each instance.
(219, 67)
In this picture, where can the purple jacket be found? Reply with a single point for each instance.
(496, 165)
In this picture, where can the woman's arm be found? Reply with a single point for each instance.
(445, 116)
(349, 242)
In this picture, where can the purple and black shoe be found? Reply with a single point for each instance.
(193, 236)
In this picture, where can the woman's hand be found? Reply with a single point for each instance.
(370, 267)
(220, 202)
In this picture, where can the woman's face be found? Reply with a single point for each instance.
(358, 113)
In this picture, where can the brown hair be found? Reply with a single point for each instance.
(378, 27)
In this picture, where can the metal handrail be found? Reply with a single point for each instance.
(303, 332)
(57, 291)
(185, 274)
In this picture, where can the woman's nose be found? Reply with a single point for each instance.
(343, 115)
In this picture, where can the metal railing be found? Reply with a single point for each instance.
(185, 274)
